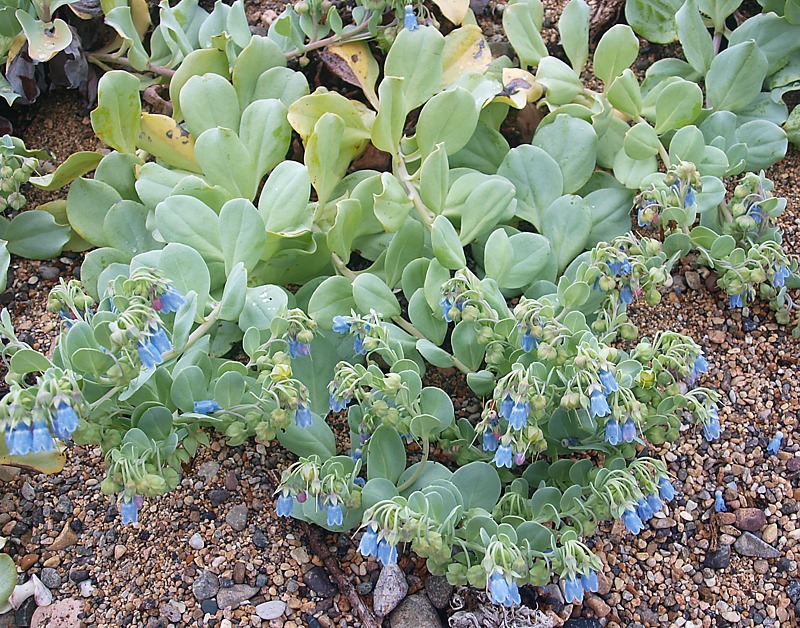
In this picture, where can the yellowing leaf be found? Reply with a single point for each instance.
(45, 41)
(46, 462)
(519, 88)
(453, 10)
(353, 62)
(166, 139)
(465, 50)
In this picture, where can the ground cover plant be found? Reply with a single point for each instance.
(513, 265)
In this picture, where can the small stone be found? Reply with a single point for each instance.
(119, 551)
(171, 611)
(230, 481)
(300, 555)
(48, 273)
(262, 580)
(85, 588)
(65, 539)
(720, 559)
(783, 565)
(64, 505)
(237, 518)
(662, 523)
(760, 566)
(260, 539)
(416, 611)
(750, 545)
(390, 589)
(770, 534)
(28, 561)
(717, 336)
(318, 581)
(196, 541)
(232, 597)
(364, 588)
(205, 586)
(50, 578)
(78, 575)
(726, 518)
(28, 492)
(59, 614)
(598, 606)
(750, 519)
(583, 622)
(439, 591)
(238, 573)
(793, 465)
(218, 496)
(271, 610)
(208, 470)
(209, 606)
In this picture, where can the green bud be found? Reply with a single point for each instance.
(628, 331)
(109, 486)
(305, 336)
(539, 574)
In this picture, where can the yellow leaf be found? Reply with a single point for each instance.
(141, 16)
(519, 88)
(465, 50)
(45, 462)
(453, 10)
(360, 67)
(166, 139)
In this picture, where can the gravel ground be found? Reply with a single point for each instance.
(201, 552)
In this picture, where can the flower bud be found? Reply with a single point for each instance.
(305, 336)
(281, 372)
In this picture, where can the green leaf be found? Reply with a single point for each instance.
(121, 19)
(126, 229)
(735, 76)
(76, 165)
(522, 28)
(562, 84)
(209, 101)
(5, 262)
(29, 361)
(489, 203)
(611, 213)
(392, 205)
(35, 234)
(260, 55)
(572, 143)
(641, 141)
(625, 94)
(466, 346)
(446, 244)
(537, 179)
(479, 484)
(333, 297)
(189, 221)
(195, 63)
(326, 156)
(387, 129)
(694, 37)
(425, 319)
(766, 143)
(531, 256)
(340, 236)
(433, 354)
(266, 134)
(226, 161)
(8, 570)
(261, 305)
(632, 172)
(371, 293)
(677, 105)
(653, 19)
(116, 118)
(88, 202)
(450, 118)
(416, 57)
(233, 296)
(317, 439)
(283, 203)
(406, 246)
(386, 454)
(242, 234)
(567, 224)
(615, 52)
(45, 39)
(573, 26)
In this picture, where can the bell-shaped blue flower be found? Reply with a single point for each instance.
(503, 456)
(573, 590)
(337, 405)
(340, 326)
(643, 509)
(506, 406)
(626, 294)
(160, 342)
(42, 438)
(284, 505)
(149, 355)
(298, 349)
(735, 301)
(527, 342)
(775, 443)
(387, 553)
(501, 591)
(598, 406)
(169, 301)
(335, 514)
(590, 582)
(303, 416)
(666, 490)
(608, 381)
(206, 406)
(489, 440)
(712, 429)
(690, 198)
(613, 432)
(19, 439)
(755, 212)
(519, 415)
(615, 266)
(719, 502)
(629, 431)
(410, 20)
(64, 421)
(781, 275)
(446, 305)
(358, 345)
(129, 509)
(632, 521)
(654, 503)
(369, 542)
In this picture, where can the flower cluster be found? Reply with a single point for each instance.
(368, 331)
(15, 170)
(677, 189)
(33, 415)
(578, 568)
(71, 302)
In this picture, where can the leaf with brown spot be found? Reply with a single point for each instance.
(353, 63)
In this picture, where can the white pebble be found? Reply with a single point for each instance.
(196, 542)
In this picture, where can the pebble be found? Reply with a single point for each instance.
(238, 573)
(59, 614)
(260, 539)
(218, 495)
(78, 575)
(415, 611)
(750, 545)
(209, 606)
(390, 590)
(439, 591)
(208, 470)
(237, 518)
(596, 603)
(750, 519)
(172, 611)
(717, 336)
(86, 588)
(583, 622)
(28, 492)
(770, 534)
(271, 610)
(65, 539)
(363, 588)
(48, 273)
(230, 481)
(233, 596)
(205, 586)
(50, 578)
(28, 561)
(318, 581)
(720, 559)
(119, 551)
(196, 541)
(300, 555)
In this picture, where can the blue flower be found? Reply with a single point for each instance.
(359, 481)
(615, 266)
(340, 326)
(335, 515)
(666, 490)
(337, 405)
(149, 355)
(598, 405)
(711, 430)
(489, 440)
(19, 439)
(528, 342)
(506, 406)
(519, 415)
(160, 341)
(608, 381)
(285, 504)
(689, 199)
(446, 306)
(298, 349)
(755, 213)
(719, 502)
(129, 509)
(781, 275)
(206, 406)
(632, 521)
(573, 590)
(358, 345)
(629, 431)
(42, 438)
(654, 503)
(387, 553)
(169, 301)
(64, 421)
(410, 20)
(369, 542)
(735, 300)
(503, 592)
(643, 509)
(303, 416)
(503, 456)
(626, 294)
(613, 432)
(590, 582)
(775, 443)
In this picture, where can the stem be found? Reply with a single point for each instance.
(662, 152)
(425, 214)
(101, 57)
(418, 472)
(197, 333)
(717, 42)
(406, 326)
(342, 268)
(356, 33)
